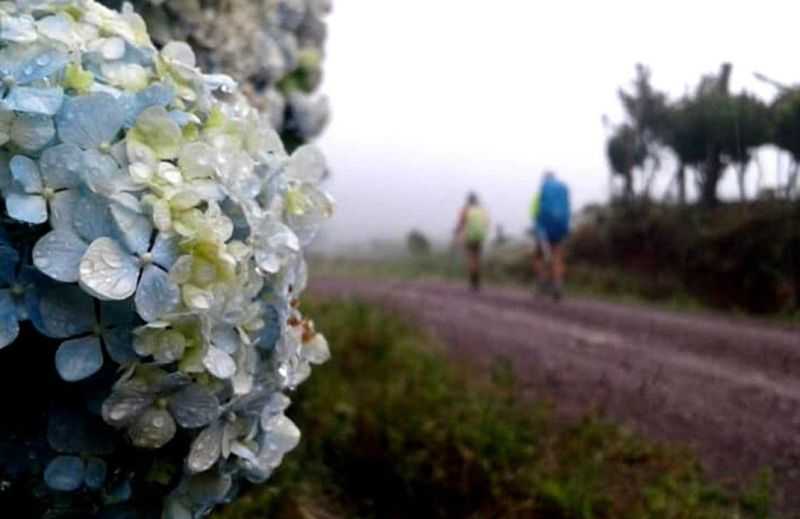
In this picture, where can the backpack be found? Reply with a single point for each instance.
(554, 207)
(477, 224)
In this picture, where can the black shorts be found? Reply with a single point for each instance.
(474, 247)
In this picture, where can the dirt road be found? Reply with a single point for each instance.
(729, 388)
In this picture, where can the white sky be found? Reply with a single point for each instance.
(433, 98)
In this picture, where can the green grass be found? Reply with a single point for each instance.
(393, 430)
(610, 284)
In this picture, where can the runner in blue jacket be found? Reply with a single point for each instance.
(550, 215)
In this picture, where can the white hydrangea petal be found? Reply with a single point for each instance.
(179, 52)
(275, 245)
(32, 132)
(282, 434)
(197, 160)
(58, 27)
(174, 509)
(219, 363)
(79, 359)
(26, 208)
(206, 449)
(153, 429)
(108, 272)
(307, 164)
(58, 254)
(18, 29)
(316, 350)
(123, 406)
(45, 101)
(157, 295)
(112, 48)
(226, 338)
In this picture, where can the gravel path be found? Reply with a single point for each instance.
(729, 388)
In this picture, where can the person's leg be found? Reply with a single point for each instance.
(474, 265)
(542, 259)
(558, 268)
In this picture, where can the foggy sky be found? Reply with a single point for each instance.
(433, 98)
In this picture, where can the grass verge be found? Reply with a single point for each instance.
(393, 430)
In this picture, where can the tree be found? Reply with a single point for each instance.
(786, 114)
(752, 129)
(625, 152)
(418, 244)
(712, 129)
(647, 112)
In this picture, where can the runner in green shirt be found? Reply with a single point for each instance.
(472, 231)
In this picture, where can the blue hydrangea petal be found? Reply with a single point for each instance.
(118, 313)
(9, 258)
(157, 295)
(108, 271)
(103, 175)
(58, 254)
(92, 219)
(32, 132)
(9, 325)
(90, 121)
(165, 251)
(96, 472)
(61, 166)
(273, 328)
(41, 63)
(34, 283)
(79, 359)
(66, 311)
(65, 473)
(133, 229)
(155, 95)
(194, 406)
(72, 431)
(26, 208)
(29, 63)
(62, 209)
(45, 101)
(119, 345)
(26, 175)
(5, 166)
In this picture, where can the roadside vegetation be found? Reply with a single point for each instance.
(393, 430)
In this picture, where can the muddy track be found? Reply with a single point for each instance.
(729, 388)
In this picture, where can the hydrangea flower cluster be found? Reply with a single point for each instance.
(275, 46)
(153, 234)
